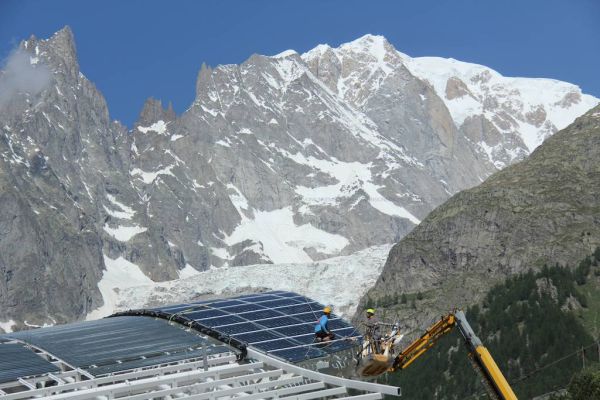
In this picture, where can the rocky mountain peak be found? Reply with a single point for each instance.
(64, 43)
(375, 46)
(153, 111)
(203, 79)
(356, 70)
(58, 51)
(286, 53)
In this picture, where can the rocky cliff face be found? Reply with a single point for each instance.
(64, 174)
(289, 158)
(543, 209)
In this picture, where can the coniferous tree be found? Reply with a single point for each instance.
(585, 385)
(597, 254)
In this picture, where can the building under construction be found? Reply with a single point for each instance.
(256, 346)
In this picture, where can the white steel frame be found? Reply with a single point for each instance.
(219, 375)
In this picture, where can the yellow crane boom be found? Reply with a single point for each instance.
(496, 384)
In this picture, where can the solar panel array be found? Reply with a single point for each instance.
(16, 361)
(118, 344)
(278, 323)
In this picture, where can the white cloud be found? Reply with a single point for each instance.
(22, 73)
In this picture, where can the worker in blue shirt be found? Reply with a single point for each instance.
(322, 332)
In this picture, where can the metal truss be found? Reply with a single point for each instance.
(216, 376)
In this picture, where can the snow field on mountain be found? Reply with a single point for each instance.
(7, 326)
(339, 281)
(351, 177)
(159, 127)
(124, 212)
(187, 272)
(118, 275)
(522, 95)
(149, 177)
(282, 240)
(285, 242)
(124, 233)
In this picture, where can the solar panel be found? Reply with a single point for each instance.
(225, 303)
(239, 328)
(224, 320)
(277, 344)
(260, 315)
(16, 361)
(259, 336)
(280, 302)
(175, 308)
(204, 314)
(301, 308)
(338, 324)
(241, 308)
(278, 323)
(117, 344)
(299, 354)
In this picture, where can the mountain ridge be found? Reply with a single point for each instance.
(543, 209)
(268, 164)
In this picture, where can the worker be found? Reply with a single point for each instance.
(372, 324)
(322, 332)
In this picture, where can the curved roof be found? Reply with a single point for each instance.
(129, 356)
(277, 323)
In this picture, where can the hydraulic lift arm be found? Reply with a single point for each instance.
(480, 357)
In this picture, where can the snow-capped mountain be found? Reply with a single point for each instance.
(505, 117)
(282, 159)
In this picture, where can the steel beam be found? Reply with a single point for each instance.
(329, 379)
(236, 380)
(368, 396)
(318, 394)
(254, 387)
(307, 387)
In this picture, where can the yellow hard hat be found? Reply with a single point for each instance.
(370, 311)
(327, 310)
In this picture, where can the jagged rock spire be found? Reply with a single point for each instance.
(153, 111)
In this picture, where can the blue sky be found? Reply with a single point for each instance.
(136, 49)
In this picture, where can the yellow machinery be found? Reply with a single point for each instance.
(374, 363)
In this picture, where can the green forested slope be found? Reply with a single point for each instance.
(534, 325)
